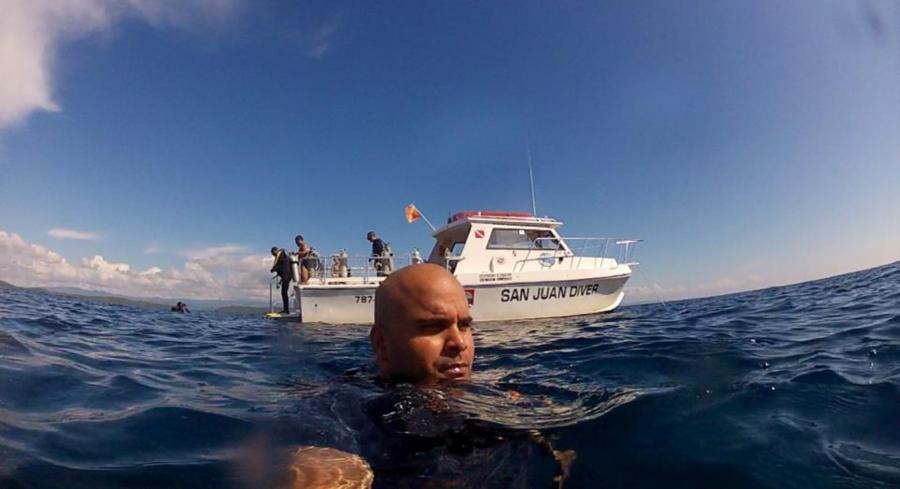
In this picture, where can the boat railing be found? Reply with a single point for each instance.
(341, 265)
(596, 249)
(451, 261)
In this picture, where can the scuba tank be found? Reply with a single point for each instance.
(313, 263)
(339, 266)
(416, 257)
(295, 267)
(388, 263)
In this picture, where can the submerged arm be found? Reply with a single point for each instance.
(564, 459)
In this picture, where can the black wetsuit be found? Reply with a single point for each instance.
(417, 438)
(377, 247)
(282, 267)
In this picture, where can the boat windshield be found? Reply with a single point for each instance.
(456, 249)
(449, 243)
(522, 239)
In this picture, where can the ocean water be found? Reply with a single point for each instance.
(795, 386)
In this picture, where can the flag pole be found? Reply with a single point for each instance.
(433, 229)
(413, 213)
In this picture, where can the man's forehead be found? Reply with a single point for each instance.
(417, 290)
(435, 305)
(422, 308)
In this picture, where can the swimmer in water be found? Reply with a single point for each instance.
(423, 330)
(422, 337)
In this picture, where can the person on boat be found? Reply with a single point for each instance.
(281, 266)
(423, 330)
(379, 249)
(303, 252)
(180, 307)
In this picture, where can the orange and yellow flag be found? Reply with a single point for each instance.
(412, 214)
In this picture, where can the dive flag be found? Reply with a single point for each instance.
(412, 214)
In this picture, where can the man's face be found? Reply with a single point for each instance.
(429, 335)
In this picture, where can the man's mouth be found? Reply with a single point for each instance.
(455, 370)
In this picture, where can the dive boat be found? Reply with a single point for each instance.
(512, 265)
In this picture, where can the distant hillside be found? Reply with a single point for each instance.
(207, 304)
(79, 292)
(150, 303)
(193, 304)
(109, 299)
(86, 295)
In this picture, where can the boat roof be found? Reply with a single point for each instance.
(498, 217)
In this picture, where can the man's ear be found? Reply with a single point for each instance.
(376, 337)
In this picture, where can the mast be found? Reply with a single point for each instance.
(531, 178)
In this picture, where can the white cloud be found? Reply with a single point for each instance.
(219, 272)
(31, 31)
(104, 267)
(63, 233)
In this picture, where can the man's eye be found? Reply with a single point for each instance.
(466, 325)
(431, 326)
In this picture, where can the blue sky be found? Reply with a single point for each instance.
(749, 143)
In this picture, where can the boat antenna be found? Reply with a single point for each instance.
(531, 177)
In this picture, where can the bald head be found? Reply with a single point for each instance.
(413, 285)
(422, 328)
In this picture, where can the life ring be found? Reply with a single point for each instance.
(547, 260)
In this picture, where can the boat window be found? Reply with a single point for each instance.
(457, 248)
(545, 240)
(522, 239)
(446, 248)
(452, 248)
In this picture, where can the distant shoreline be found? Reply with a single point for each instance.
(160, 304)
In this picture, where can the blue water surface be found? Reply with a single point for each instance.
(795, 386)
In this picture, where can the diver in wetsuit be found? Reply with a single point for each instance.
(413, 434)
(422, 338)
(405, 350)
(379, 249)
(282, 267)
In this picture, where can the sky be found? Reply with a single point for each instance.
(160, 148)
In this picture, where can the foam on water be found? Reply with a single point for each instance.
(794, 386)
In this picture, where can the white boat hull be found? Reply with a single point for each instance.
(494, 302)
(337, 304)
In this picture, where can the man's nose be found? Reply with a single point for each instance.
(456, 341)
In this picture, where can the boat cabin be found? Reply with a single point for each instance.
(498, 242)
